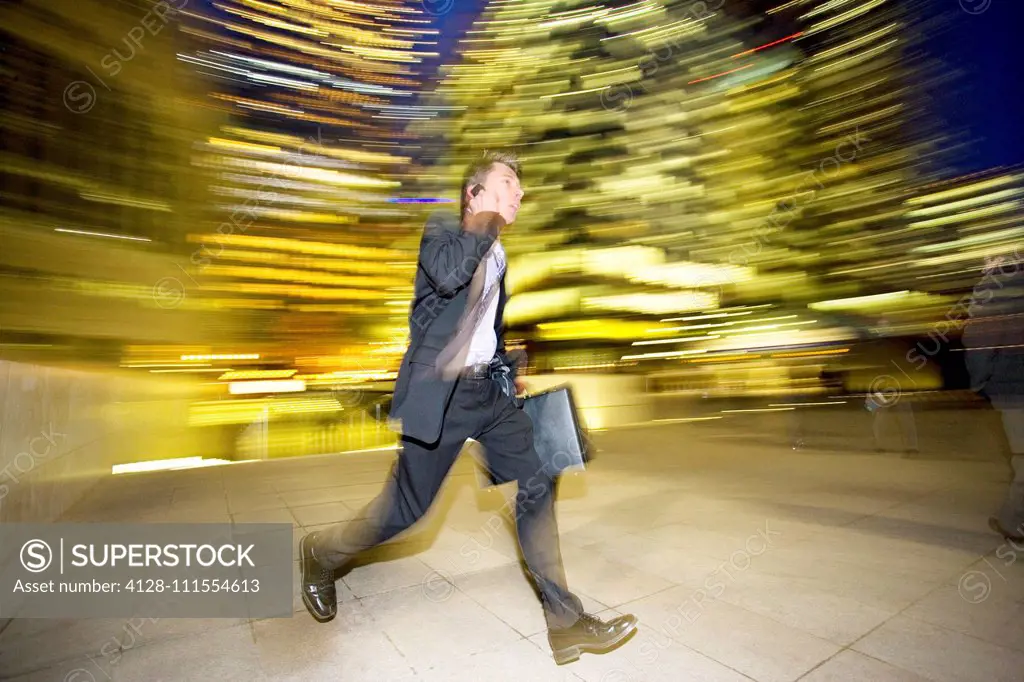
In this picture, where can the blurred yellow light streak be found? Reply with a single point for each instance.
(971, 188)
(240, 375)
(725, 358)
(598, 365)
(578, 19)
(706, 317)
(763, 409)
(347, 309)
(998, 209)
(374, 10)
(300, 246)
(272, 23)
(623, 330)
(622, 14)
(281, 386)
(844, 17)
(286, 260)
(975, 255)
(684, 419)
(134, 365)
(244, 146)
(681, 339)
(667, 354)
(966, 203)
(304, 45)
(264, 106)
(576, 92)
(856, 301)
(102, 234)
(170, 464)
(301, 276)
(122, 200)
(186, 371)
(331, 177)
(247, 410)
(759, 330)
(699, 326)
(394, 55)
(826, 7)
(221, 356)
(861, 120)
(312, 146)
(848, 62)
(999, 236)
(853, 44)
(806, 354)
(295, 291)
(863, 87)
(349, 376)
(785, 6)
(653, 303)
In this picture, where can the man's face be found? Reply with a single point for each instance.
(503, 183)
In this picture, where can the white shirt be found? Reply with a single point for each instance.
(485, 341)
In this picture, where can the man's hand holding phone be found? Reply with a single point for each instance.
(483, 211)
(483, 201)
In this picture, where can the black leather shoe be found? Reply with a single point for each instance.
(997, 527)
(590, 634)
(318, 591)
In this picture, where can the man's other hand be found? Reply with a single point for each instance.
(520, 386)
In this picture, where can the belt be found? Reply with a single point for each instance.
(478, 371)
(481, 370)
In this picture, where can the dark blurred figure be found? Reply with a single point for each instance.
(888, 399)
(995, 361)
(795, 422)
(884, 412)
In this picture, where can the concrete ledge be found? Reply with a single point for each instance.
(62, 430)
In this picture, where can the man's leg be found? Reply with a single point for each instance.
(416, 477)
(510, 456)
(1011, 515)
(507, 438)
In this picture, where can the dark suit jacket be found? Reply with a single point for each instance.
(448, 258)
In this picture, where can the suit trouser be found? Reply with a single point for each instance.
(478, 410)
(1011, 515)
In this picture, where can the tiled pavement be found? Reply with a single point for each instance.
(741, 563)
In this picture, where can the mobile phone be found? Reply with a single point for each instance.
(476, 189)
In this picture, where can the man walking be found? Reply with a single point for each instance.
(449, 389)
(994, 341)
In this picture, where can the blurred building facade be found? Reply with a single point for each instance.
(657, 140)
(98, 197)
(720, 196)
(99, 193)
(703, 179)
(307, 222)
